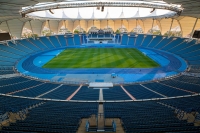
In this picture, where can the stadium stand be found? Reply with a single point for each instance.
(87, 94)
(47, 42)
(139, 92)
(36, 90)
(55, 41)
(84, 38)
(161, 119)
(147, 40)
(175, 40)
(139, 40)
(124, 39)
(77, 40)
(182, 85)
(195, 69)
(166, 90)
(50, 116)
(29, 104)
(116, 92)
(62, 92)
(70, 40)
(164, 42)
(62, 40)
(117, 38)
(26, 43)
(139, 117)
(155, 41)
(19, 86)
(38, 43)
(131, 40)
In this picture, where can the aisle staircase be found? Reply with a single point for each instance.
(98, 122)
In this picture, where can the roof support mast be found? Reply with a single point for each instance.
(49, 25)
(171, 26)
(31, 29)
(194, 27)
(152, 24)
(136, 23)
(152, 27)
(80, 24)
(9, 29)
(65, 24)
(31, 26)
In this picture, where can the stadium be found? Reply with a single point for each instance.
(70, 66)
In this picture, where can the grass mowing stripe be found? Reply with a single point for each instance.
(101, 58)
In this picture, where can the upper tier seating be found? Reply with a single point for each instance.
(47, 42)
(62, 117)
(86, 93)
(22, 85)
(182, 85)
(166, 90)
(10, 81)
(147, 40)
(55, 41)
(138, 116)
(62, 92)
(37, 90)
(70, 41)
(38, 43)
(140, 92)
(13, 104)
(139, 40)
(115, 93)
(77, 40)
(195, 69)
(150, 116)
(124, 39)
(154, 42)
(62, 40)
(131, 40)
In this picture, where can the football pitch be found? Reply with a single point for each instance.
(101, 58)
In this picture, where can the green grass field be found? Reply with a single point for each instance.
(101, 58)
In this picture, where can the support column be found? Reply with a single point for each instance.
(31, 26)
(171, 25)
(152, 25)
(194, 27)
(80, 24)
(73, 26)
(136, 23)
(49, 25)
(107, 23)
(65, 25)
(9, 29)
